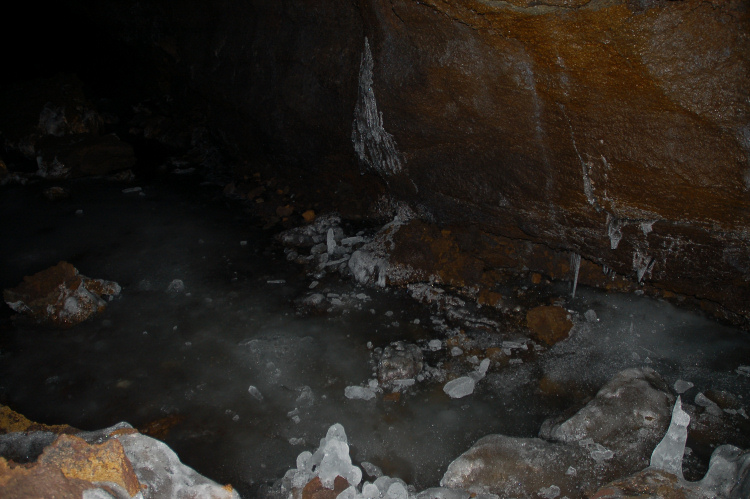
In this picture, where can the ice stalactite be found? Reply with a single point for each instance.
(642, 264)
(575, 264)
(614, 230)
(374, 146)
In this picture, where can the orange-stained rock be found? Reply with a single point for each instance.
(392, 397)
(549, 323)
(160, 428)
(38, 481)
(309, 216)
(650, 483)
(60, 296)
(11, 421)
(284, 211)
(315, 490)
(104, 462)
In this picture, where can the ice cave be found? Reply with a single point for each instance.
(375, 249)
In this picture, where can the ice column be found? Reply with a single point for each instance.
(668, 454)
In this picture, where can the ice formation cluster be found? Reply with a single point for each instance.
(331, 459)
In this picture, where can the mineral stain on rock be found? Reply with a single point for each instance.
(59, 296)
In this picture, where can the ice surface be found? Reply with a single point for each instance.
(668, 454)
(248, 333)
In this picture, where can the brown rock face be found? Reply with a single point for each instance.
(617, 130)
(549, 324)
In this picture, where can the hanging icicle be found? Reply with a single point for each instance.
(575, 264)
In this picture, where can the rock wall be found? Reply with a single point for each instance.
(617, 130)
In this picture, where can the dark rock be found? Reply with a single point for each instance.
(78, 156)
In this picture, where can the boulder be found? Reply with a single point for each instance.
(105, 462)
(117, 461)
(59, 296)
(400, 360)
(83, 155)
(627, 417)
(612, 436)
(520, 467)
(549, 323)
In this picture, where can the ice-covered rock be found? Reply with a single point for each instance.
(728, 473)
(400, 360)
(709, 405)
(681, 386)
(435, 345)
(517, 467)
(158, 467)
(367, 268)
(628, 416)
(728, 477)
(359, 392)
(309, 235)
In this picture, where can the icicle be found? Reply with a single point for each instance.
(614, 230)
(575, 264)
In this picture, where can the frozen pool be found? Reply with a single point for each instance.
(188, 359)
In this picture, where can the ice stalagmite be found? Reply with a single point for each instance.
(668, 454)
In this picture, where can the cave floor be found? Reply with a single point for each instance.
(180, 365)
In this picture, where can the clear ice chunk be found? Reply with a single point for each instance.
(668, 453)
(459, 387)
